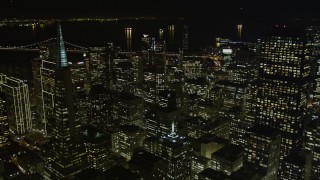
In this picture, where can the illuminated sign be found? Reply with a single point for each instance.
(227, 51)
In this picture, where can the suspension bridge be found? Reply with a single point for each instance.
(70, 47)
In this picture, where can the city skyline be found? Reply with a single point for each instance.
(167, 90)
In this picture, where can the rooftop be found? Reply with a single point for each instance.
(264, 131)
(230, 152)
(93, 134)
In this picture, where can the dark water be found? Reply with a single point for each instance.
(18, 64)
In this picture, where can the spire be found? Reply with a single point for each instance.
(173, 134)
(61, 51)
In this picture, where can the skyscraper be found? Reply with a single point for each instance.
(174, 149)
(68, 155)
(283, 88)
(17, 96)
(101, 107)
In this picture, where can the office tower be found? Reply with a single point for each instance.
(284, 77)
(313, 32)
(100, 107)
(98, 147)
(81, 87)
(128, 36)
(123, 74)
(244, 66)
(174, 149)
(150, 144)
(192, 64)
(154, 81)
(129, 138)
(129, 109)
(137, 63)
(68, 154)
(96, 66)
(185, 37)
(4, 125)
(262, 149)
(228, 159)
(297, 165)
(167, 99)
(47, 73)
(235, 108)
(311, 136)
(17, 99)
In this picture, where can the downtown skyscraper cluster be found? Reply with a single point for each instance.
(234, 111)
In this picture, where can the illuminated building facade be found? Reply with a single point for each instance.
(311, 136)
(130, 138)
(98, 148)
(297, 165)
(81, 91)
(18, 104)
(174, 149)
(262, 149)
(284, 77)
(123, 73)
(101, 107)
(129, 109)
(154, 81)
(68, 153)
(4, 125)
(96, 65)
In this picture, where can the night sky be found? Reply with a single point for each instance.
(212, 15)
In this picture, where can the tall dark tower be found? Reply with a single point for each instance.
(285, 74)
(67, 152)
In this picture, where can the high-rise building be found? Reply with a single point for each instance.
(4, 125)
(17, 97)
(174, 149)
(81, 91)
(68, 153)
(283, 91)
(101, 107)
(47, 73)
(98, 147)
(311, 136)
(262, 149)
(129, 109)
(129, 138)
(123, 74)
(297, 165)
